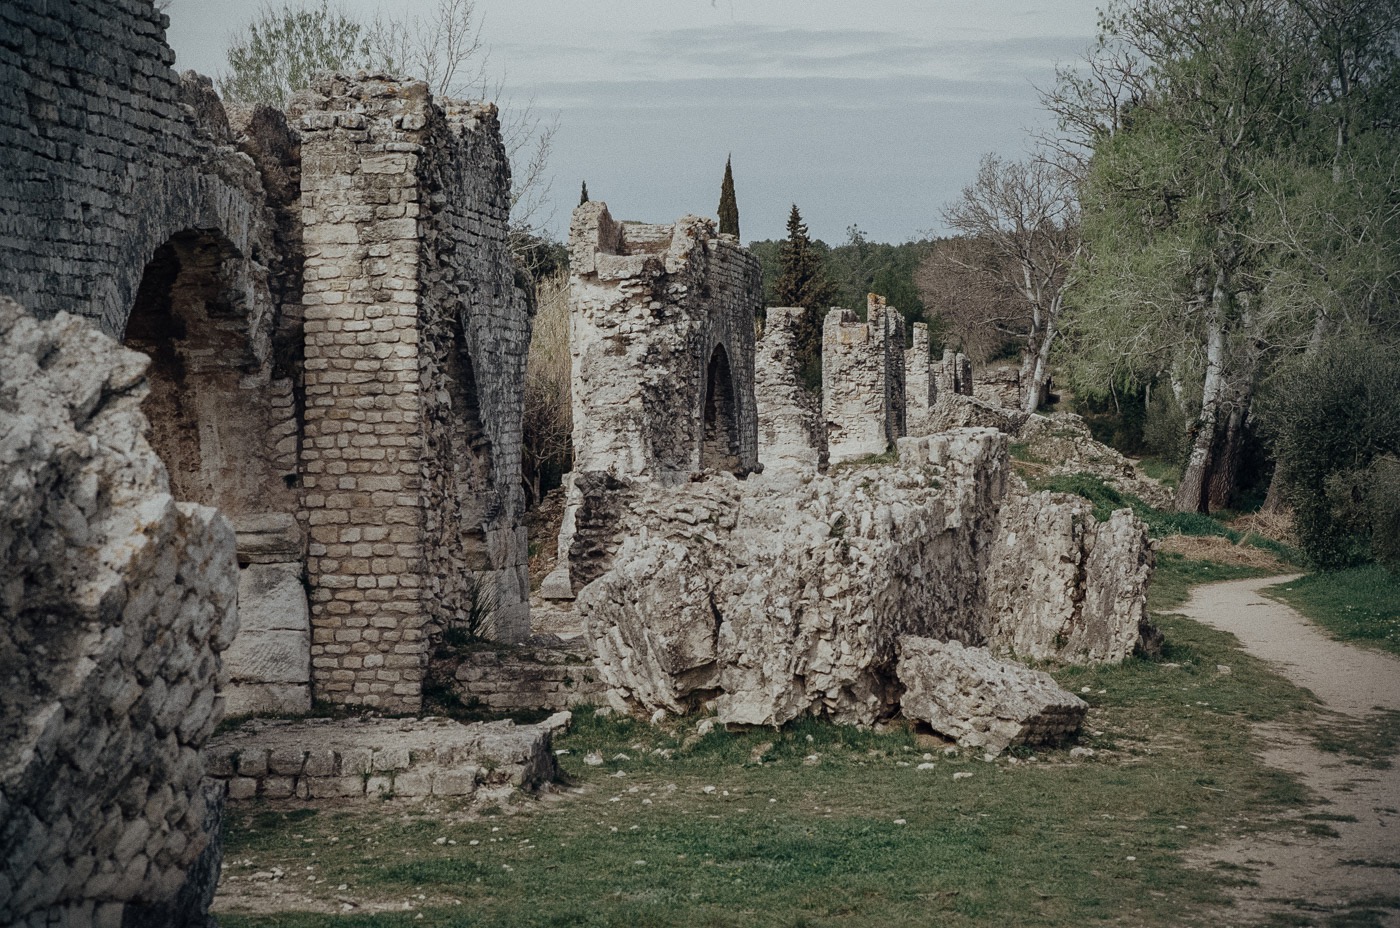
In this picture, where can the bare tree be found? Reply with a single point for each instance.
(962, 283)
(1025, 217)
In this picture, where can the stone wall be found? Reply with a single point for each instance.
(415, 344)
(509, 680)
(791, 435)
(953, 374)
(863, 381)
(662, 344)
(115, 605)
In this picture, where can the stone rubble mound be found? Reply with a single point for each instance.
(384, 758)
(115, 604)
(783, 596)
(1064, 441)
(966, 694)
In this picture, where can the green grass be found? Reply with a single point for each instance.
(1106, 499)
(1360, 605)
(1176, 574)
(821, 825)
(1163, 472)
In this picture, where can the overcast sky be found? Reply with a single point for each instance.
(866, 112)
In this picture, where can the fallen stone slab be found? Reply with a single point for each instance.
(383, 758)
(979, 701)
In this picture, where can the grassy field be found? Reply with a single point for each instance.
(1361, 605)
(823, 825)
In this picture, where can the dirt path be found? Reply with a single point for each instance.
(1303, 871)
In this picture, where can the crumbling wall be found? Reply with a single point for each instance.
(115, 604)
(700, 608)
(863, 381)
(662, 340)
(133, 202)
(791, 435)
(920, 381)
(415, 344)
(662, 344)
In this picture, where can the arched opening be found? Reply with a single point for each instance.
(208, 409)
(227, 433)
(470, 454)
(719, 449)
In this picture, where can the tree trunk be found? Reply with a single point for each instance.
(1191, 494)
(1033, 387)
(1275, 501)
(1225, 460)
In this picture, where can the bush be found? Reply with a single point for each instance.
(1335, 422)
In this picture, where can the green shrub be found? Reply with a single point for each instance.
(1159, 523)
(1332, 417)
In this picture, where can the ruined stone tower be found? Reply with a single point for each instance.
(662, 339)
(863, 380)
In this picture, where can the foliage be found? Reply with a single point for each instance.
(728, 203)
(1239, 202)
(1335, 422)
(1023, 222)
(547, 427)
(583, 194)
(1360, 604)
(803, 282)
(1106, 499)
(287, 46)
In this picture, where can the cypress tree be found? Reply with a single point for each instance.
(803, 282)
(583, 196)
(728, 205)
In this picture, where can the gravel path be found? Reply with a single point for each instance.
(1296, 872)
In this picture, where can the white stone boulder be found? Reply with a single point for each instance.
(979, 701)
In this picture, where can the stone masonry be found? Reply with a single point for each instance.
(203, 237)
(920, 379)
(115, 605)
(791, 435)
(662, 340)
(415, 345)
(863, 381)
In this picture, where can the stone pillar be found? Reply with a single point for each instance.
(920, 384)
(887, 325)
(855, 401)
(361, 453)
(791, 436)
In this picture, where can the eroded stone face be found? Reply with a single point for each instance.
(116, 604)
(968, 695)
(786, 595)
(863, 381)
(791, 435)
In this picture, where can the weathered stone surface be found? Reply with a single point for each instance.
(1064, 587)
(384, 758)
(270, 660)
(528, 677)
(268, 538)
(662, 345)
(702, 604)
(999, 386)
(115, 605)
(1063, 441)
(968, 695)
(791, 435)
(698, 606)
(958, 411)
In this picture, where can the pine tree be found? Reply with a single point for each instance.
(728, 205)
(803, 282)
(583, 196)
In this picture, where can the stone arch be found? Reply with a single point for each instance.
(720, 446)
(227, 434)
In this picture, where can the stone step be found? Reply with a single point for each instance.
(383, 758)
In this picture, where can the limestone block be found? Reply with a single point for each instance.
(968, 695)
(268, 536)
(273, 646)
(1063, 587)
